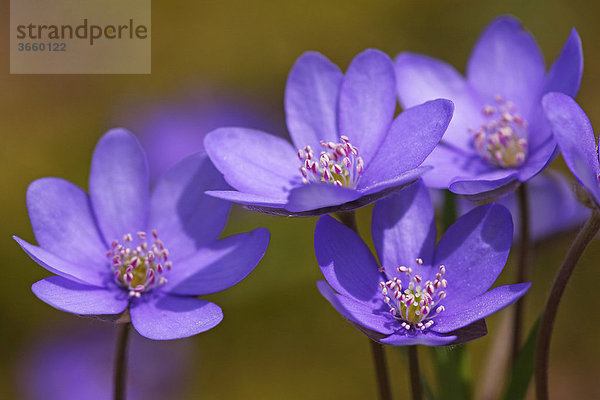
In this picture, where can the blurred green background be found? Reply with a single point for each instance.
(279, 338)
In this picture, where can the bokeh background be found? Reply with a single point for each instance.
(279, 338)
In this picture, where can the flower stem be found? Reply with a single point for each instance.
(348, 218)
(121, 362)
(381, 370)
(415, 375)
(522, 269)
(585, 235)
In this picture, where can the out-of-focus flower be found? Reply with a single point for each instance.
(173, 128)
(422, 294)
(350, 149)
(121, 249)
(498, 136)
(78, 364)
(573, 132)
(553, 206)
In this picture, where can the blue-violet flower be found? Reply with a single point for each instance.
(498, 136)
(173, 128)
(422, 293)
(121, 249)
(350, 150)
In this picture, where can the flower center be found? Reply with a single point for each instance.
(338, 164)
(138, 266)
(416, 305)
(502, 140)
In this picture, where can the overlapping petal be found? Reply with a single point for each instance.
(421, 78)
(311, 100)
(459, 315)
(507, 61)
(253, 161)
(119, 185)
(474, 250)
(358, 312)
(403, 228)
(566, 71)
(367, 101)
(317, 195)
(179, 208)
(345, 260)
(69, 296)
(82, 273)
(219, 265)
(63, 222)
(412, 136)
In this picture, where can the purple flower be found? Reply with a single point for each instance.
(422, 294)
(75, 363)
(173, 129)
(573, 132)
(498, 136)
(120, 248)
(348, 150)
(552, 204)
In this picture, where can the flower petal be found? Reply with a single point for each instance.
(421, 78)
(63, 222)
(119, 185)
(367, 196)
(311, 99)
(367, 101)
(566, 71)
(357, 312)
(463, 314)
(247, 198)
(219, 265)
(506, 61)
(538, 160)
(346, 261)
(76, 298)
(470, 332)
(450, 163)
(412, 136)
(383, 188)
(573, 132)
(403, 228)
(486, 185)
(319, 195)
(253, 161)
(474, 250)
(79, 272)
(428, 338)
(165, 317)
(184, 216)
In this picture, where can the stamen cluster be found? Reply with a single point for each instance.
(139, 268)
(416, 305)
(340, 164)
(502, 141)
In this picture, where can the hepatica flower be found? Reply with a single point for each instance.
(422, 293)
(119, 248)
(548, 192)
(575, 137)
(347, 151)
(498, 136)
(172, 129)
